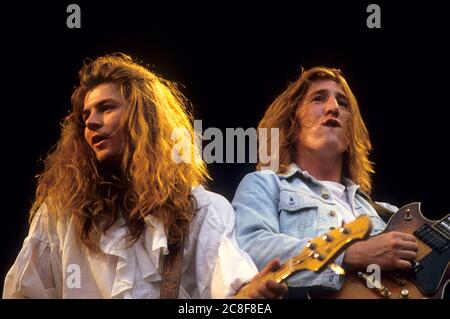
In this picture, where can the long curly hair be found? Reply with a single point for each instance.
(148, 181)
(282, 114)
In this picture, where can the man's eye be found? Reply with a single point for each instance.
(344, 103)
(319, 98)
(107, 108)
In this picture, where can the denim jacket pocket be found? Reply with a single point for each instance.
(297, 212)
(378, 225)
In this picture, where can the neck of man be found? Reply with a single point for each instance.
(110, 170)
(324, 166)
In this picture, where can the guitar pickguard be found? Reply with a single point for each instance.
(429, 271)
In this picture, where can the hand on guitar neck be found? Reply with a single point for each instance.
(391, 251)
(265, 289)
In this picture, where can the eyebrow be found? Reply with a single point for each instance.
(325, 91)
(99, 104)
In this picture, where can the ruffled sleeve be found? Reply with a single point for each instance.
(33, 273)
(222, 268)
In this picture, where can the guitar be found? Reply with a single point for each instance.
(317, 253)
(430, 272)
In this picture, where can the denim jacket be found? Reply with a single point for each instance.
(276, 214)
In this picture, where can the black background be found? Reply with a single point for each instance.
(232, 59)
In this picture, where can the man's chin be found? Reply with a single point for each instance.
(107, 160)
(334, 146)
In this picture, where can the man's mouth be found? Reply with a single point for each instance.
(97, 139)
(331, 123)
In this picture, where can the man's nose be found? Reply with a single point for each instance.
(332, 107)
(94, 121)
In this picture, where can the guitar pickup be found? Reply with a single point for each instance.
(433, 237)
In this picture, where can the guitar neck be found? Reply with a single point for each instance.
(443, 226)
(288, 268)
(318, 253)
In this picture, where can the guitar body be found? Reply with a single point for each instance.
(429, 275)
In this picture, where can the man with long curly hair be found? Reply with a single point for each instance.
(322, 180)
(112, 202)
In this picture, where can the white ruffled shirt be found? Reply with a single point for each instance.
(51, 263)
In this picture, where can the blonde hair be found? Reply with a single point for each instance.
(282, 112)
(149, 182)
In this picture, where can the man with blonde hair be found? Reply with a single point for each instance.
(115, 216)
(323, 180)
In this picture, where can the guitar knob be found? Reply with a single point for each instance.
(318, 256)
(344, 230)
(385, 292)
(408, 215)
(327, 238)
(404, 293)
(311, 245)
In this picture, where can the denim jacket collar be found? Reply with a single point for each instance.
(293, 169)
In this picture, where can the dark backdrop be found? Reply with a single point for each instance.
(233, 59)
